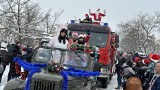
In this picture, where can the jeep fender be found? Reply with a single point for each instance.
(82, 88)
(15, 84)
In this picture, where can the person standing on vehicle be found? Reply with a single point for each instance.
(155, 82)
(87, 19)
(59, 42)
(13, 50)
(74, 38)
(81, 41)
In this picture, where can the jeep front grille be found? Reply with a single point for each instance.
(42, 85)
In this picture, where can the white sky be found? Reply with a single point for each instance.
(116, 10)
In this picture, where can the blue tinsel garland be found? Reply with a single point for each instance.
(33, 68)
(76, 73)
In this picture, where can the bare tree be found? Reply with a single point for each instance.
(138, 34)
(25, 19)
(50, 21)
(13, 16)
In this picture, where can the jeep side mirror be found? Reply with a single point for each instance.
(117, 45)
(92, 54)
(117, 38)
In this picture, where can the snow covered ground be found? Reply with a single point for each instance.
(4, 78)
(111, 85)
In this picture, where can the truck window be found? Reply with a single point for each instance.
(97, 39)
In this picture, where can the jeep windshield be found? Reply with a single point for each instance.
(61, 56)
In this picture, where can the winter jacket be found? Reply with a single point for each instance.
(14, 50)
(151, 67)
(127, 71)
(121, 61)
(56, 44)
(137, 71)
(156, 85)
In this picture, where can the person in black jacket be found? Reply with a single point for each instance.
(13, 51)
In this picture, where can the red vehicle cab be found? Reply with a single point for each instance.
(107, 41)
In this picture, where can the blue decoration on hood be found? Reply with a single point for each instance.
(33, 68)
(76, 73)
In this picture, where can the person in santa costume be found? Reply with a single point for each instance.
(87, 19)
(81, 41)
(97, 16)
(74, 38)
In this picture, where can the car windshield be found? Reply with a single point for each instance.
(61, 56)
(97, 39)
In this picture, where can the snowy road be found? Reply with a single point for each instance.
(4, 78)
(111, 85)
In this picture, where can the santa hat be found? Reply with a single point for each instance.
(74, 34)
(155, 57)
(82, 35)
(137, 59)
(86, 15)
(146, 61)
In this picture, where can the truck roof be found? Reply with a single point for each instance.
(84, 27)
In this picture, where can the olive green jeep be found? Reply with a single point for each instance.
(50, 78)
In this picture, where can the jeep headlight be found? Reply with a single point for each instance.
(103, 70)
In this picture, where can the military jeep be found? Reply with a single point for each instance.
(49, 78)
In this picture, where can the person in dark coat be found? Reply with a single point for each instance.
(155, 82)
(13, 51)
(121, 61)
(3, 61)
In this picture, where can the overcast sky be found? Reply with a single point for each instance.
(116, 10)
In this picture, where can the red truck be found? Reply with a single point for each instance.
(107, 42)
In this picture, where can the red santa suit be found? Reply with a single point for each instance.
(73, 39)
(97, 16)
